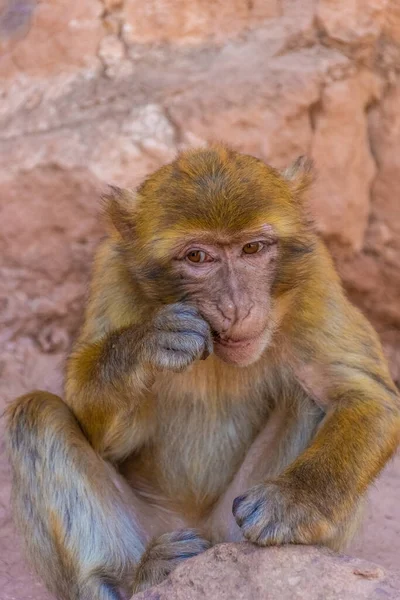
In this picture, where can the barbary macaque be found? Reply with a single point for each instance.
(223, 388)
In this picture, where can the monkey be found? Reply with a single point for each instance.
(222, 389)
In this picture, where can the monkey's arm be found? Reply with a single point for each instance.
(121, 348)
(347, 375)
(106, 387)
(360, 432)
(343, 369)
(108, 380)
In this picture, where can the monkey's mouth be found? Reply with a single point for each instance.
(231, 343)
(241, 352)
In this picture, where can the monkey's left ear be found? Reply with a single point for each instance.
(119, 208)
(299, 175)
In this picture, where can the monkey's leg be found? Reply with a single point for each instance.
(78, 517)
(287, 433)
(164, 554)
(175, 541)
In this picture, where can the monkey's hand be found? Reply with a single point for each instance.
(178, 336)
(279, 512)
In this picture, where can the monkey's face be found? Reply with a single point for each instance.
(229, 280)
(224, 232)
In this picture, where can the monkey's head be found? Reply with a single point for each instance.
(222, 231)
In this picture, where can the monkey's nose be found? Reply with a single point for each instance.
(228, 314)
(228, 311)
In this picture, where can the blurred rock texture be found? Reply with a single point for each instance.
(106, 91)
(243, 572)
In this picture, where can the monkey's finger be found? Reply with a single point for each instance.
(245, 508)
(174, 360)
(208, 350)
(181, 544)
(178, 309)
(186, 341)
(183, 323)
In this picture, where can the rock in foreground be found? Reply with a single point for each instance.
(245, 572)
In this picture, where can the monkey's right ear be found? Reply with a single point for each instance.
(119, 207)
(299, 175)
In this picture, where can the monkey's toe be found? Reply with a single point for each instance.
(164, 554)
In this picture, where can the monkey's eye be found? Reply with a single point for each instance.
(253, 247)
(197, 256)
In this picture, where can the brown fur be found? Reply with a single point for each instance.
(151, 440)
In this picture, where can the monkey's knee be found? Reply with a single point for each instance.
(31, 415)
(164, 554)
(31, 402)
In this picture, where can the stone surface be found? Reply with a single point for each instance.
(192, 21)
(106, 91)
(344, 161)
(357, 21)
(244, 572)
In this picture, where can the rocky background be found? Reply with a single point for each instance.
(96, 92)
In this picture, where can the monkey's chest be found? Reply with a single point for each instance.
(195, 452)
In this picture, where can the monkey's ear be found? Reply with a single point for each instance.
(300, 175)
(119, 207)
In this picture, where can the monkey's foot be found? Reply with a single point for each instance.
(164, 553)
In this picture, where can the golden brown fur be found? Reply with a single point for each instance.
(289, 416)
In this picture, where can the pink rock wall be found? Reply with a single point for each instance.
(97, 92)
